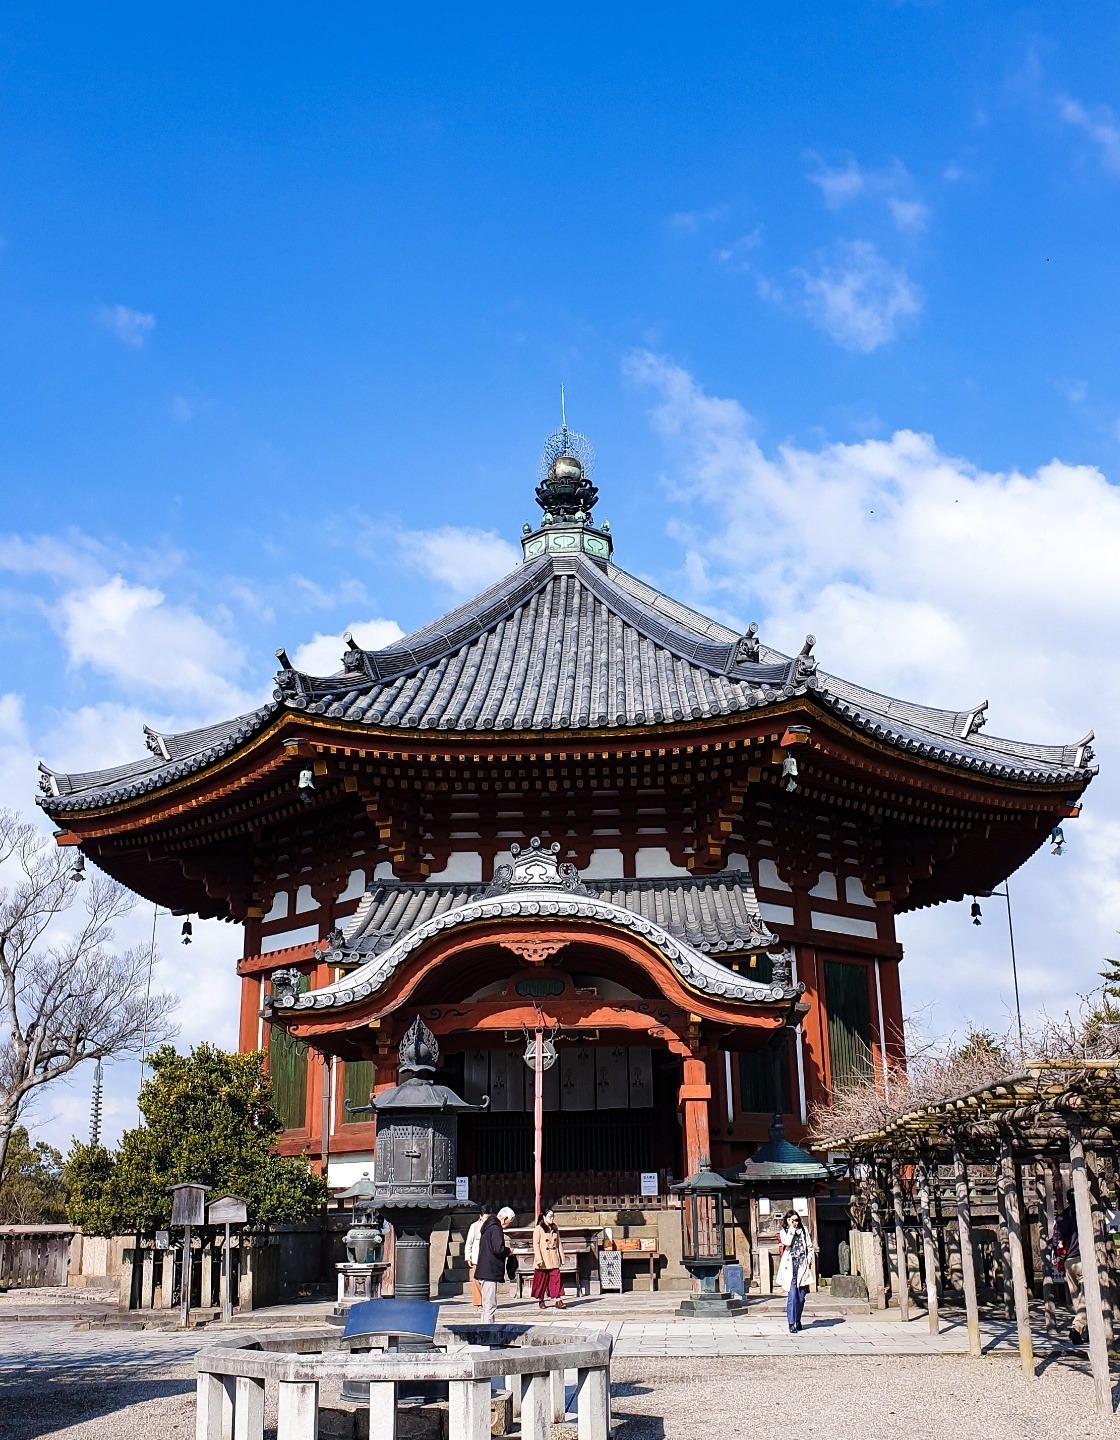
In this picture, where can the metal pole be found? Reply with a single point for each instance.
(538, 1122)
(147, 998)
(1006, 894)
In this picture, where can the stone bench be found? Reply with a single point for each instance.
(232, 1379)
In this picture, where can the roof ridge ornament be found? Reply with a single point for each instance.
(536, 867)
(804, 664)
(975, 720)
(156, 743)
(747, 650)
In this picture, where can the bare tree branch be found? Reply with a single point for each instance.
(77, 998)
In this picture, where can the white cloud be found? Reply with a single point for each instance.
(908, 214)
(131, 633)
(931, 579)
(75, 559)
(181, 409)
(130, 326)
(463, 559)
(322, 654)
(689, 221)
(737, 255)
(841, 184)
(857, 298)
(1099, 125)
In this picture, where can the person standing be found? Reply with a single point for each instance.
(797, 1267)
(548, 1258)
(470, 1255)
(494, 1257)
(1065, 1246)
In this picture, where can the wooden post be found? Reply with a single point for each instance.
(1009, 1188)
(1090, 1278)
(206, 1260)
(1094, 1170)
(877, 1231)
(968, 1264)
(227, 1279)
(185, 1282)
(929, 1250)
(1006, 1283)
(900, 1246)
(1047, 1216)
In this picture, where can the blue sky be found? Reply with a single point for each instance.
(286, 298)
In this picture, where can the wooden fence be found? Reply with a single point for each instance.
(34, 1255)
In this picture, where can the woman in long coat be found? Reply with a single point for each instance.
(548, 1257)
(797, 1267)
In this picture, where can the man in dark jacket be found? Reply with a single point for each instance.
(493, 1260)
(1066, 1249)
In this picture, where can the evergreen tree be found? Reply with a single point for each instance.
(208, 1118)
(32, 1191)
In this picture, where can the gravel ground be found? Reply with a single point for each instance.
(881, 1398)
(124, 1397)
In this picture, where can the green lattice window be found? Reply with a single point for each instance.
(357, 1085)
(287, 1065)
(764, 1087)
(849, 1023)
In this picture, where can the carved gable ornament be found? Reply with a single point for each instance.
(536, 868)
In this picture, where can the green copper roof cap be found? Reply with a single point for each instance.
(705, 1181)
(779, 1159)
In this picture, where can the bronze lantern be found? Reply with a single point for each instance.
(707, 1238)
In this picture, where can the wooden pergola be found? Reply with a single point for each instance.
(1048, 1109)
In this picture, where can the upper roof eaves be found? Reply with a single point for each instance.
(564, 644)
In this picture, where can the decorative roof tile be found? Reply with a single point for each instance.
(566, 644)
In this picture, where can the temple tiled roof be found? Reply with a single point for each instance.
(565, 644)
(714, 914)
(537, 886)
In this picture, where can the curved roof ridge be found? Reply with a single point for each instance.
(696, 969)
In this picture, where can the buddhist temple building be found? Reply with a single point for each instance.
(574, 805)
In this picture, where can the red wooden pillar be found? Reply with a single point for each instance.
(249, 1027)
(692, 1100)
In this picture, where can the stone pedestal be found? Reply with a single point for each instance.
(359, 1282)
(708, 1303)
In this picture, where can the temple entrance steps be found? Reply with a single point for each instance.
(456, 1277)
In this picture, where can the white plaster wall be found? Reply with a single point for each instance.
(768, 877)
(463, 866)
(347, 1171)
(652, 862)
(854, 892)
(845, 925)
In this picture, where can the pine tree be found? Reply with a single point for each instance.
(208, 1118)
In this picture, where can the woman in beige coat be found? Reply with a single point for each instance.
(548, 1258)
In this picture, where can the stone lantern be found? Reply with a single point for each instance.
(705, 1202)
(414, 1158)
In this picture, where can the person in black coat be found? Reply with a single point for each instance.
(494, 1257)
